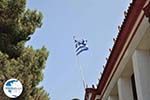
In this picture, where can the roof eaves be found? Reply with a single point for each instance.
(130, 19)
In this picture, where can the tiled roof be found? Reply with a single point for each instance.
(131, 17)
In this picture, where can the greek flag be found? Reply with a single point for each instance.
(80, 46)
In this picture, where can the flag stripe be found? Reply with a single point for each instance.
(84, 49)
(80, 47)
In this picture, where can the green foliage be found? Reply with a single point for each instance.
(27, 68)
(17, 24)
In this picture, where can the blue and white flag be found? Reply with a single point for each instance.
(80, 46)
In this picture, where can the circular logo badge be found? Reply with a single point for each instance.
(13, 88)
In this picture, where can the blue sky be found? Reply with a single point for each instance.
(95, 20)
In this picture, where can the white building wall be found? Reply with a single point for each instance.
(113, 98)
(125, 89)
(141, 66)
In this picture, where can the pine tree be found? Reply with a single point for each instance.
(17, 24)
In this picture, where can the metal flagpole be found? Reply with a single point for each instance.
(81, 72)
(80, 68)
